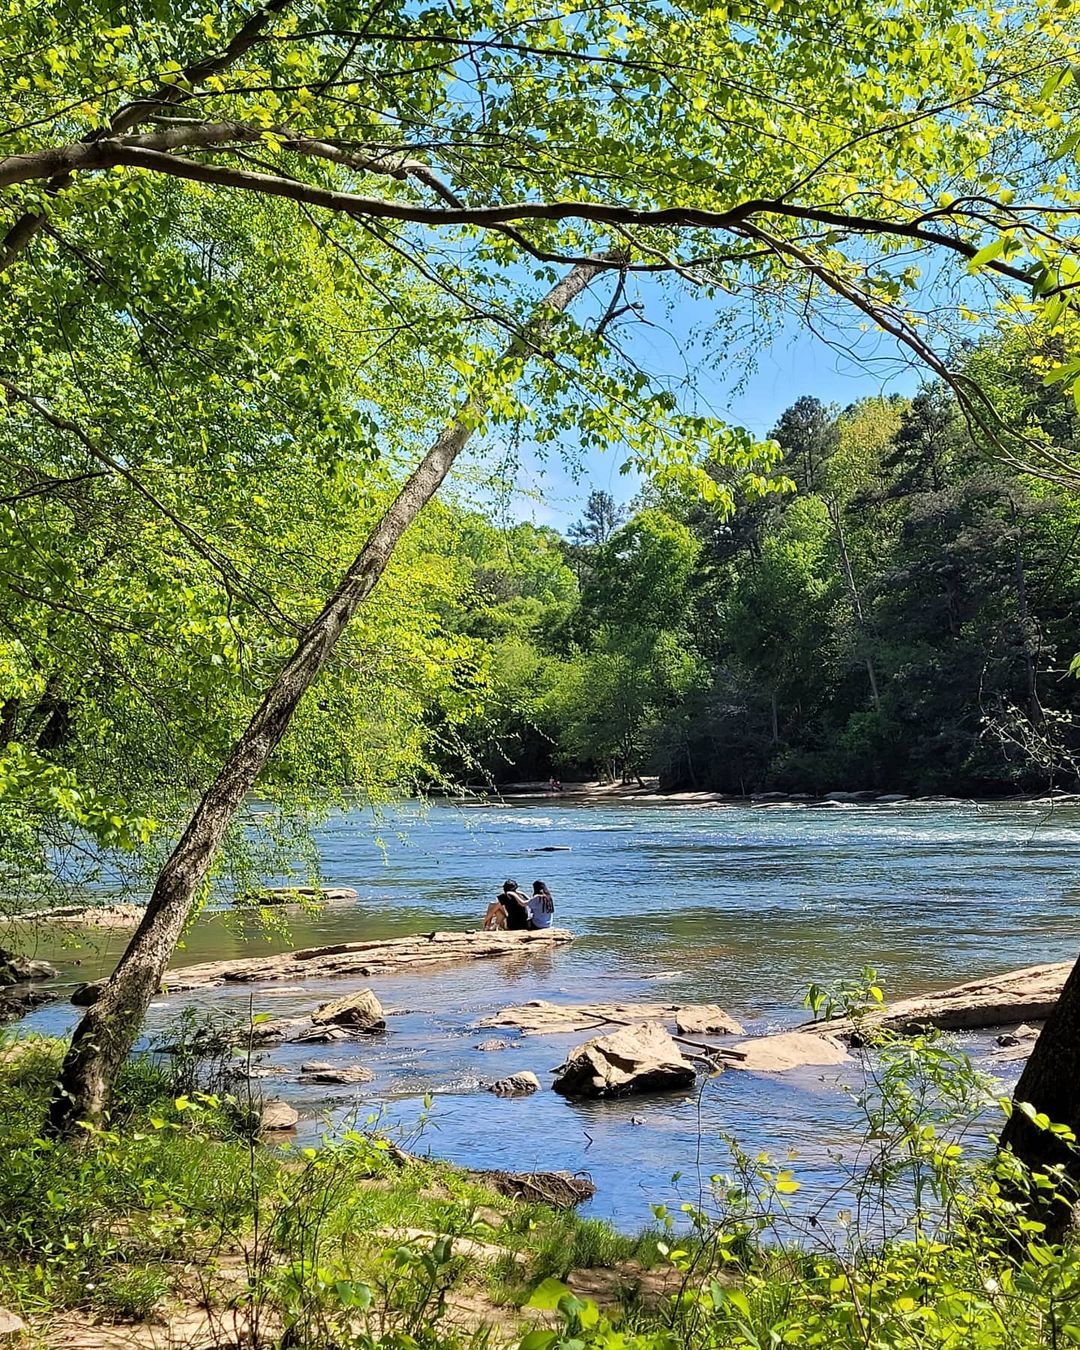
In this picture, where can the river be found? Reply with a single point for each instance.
(739, 906)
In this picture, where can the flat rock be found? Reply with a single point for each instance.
(351, 1073)
(278, 1116)
(634, 1059)
(540, 1018)
(360, 1011)
(706, 1019)
(517, 1085)
(86, 916)
(320, 1035)
(787, 1050)
(294, 895)
(424, 951)
(317, 1066)
(11, 1325)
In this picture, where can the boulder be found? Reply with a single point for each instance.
(517, 1085)
(634, 1059)
(18, 969)
(350, 1073)
(277, 1115)
(706, 1019)
(11, 1325)
(360, 1011)
(787, 1050)
(317, 1066)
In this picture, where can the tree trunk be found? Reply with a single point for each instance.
(1023, 617)
(106, 1034)
(854, 599)
(1051, 1084)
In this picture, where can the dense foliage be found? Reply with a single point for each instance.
(904, 619)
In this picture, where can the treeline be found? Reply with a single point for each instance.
(903, 618)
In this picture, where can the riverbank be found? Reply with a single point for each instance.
(648, 791)
(178, 1229)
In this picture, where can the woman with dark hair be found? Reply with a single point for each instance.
(541, 906)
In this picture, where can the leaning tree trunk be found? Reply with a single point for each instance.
(107, 1032)
(1051, 1084)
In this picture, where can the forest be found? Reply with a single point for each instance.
(900, 618)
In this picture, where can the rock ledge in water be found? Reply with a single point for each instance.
(635, 1059)
(540, 1017)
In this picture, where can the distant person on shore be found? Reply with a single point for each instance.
(512, 905)
(554, 784)
(541, 906)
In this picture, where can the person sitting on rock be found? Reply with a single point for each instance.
(541, 906)
(495, 918)
(516, 904)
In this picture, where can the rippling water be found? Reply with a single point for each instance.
(738, 906)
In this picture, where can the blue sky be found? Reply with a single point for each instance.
(751, 387)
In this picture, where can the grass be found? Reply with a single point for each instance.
(176, 1204)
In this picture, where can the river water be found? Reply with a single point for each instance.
(739, 906)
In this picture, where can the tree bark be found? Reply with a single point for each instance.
(105, 1036)
(1051, 1084)
(854, 599)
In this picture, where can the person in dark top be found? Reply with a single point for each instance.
(516, 905)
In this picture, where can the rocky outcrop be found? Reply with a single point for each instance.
(634, 1059)
(522, 1084)
(20, 969)
(787, 1050)
(359, 1012)
(425, 951)
(540, 1018)
(1016, 996)
(20, 990)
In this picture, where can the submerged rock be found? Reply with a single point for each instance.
(360, 1011)
(277, 1115)
(517, 1085)
(495, 1045)
(1020, 1035)
(634, 1059)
